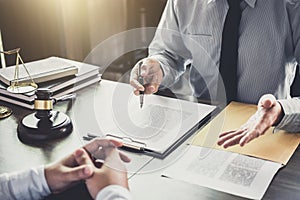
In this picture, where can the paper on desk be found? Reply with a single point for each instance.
(277, 147)
(160, 124)
(224, 171)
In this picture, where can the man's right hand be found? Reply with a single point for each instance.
(152, 74)
(112, 172)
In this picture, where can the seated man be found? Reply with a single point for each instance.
(256, 65)
(107, 182)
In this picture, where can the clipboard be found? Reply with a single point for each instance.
(155, 130)
(136, 146)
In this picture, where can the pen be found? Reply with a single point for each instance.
(130, 146)
(137, 149)
(97, 162)
(64, 98)
(141, 81)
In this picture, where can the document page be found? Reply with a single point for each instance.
(158, 124)
(224, 171)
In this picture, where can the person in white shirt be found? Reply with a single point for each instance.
(190, 33)
(109, 182)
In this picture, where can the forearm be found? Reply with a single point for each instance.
(291, 119)
(114, 192)
(168, 47)
(29, 184)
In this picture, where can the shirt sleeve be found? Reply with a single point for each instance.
(291, 119)
(167, 46)
(291, 107)
(114, 192)
(28, 184)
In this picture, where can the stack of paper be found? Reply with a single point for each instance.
(40, 71)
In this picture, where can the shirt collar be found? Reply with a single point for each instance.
(251, 3)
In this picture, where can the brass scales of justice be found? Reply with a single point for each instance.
(16, 86)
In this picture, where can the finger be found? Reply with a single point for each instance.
(69, 161)
(151, 88)
(94, 145)
(78, 173)
(102, 155)
(229, 136)
(233, 141)
(136, 92)
(82, 157)
(148, 89)
(225, 133)
(136, 85)
(116, 143)
(124, 157)
(267, 101)
(249, 137)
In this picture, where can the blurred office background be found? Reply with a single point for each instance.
(72, 28)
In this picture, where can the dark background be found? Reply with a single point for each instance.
(72, 28)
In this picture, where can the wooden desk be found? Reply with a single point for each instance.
(146, 183)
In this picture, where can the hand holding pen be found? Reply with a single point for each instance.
(146, 77)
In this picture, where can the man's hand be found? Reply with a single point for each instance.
(269, 112)
(66, 173)
(152, 74)
(112, 172)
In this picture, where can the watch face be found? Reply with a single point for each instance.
(5, 112)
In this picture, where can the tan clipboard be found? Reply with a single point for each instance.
(277, 147)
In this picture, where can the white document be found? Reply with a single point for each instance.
(224, 171)
(159, 124)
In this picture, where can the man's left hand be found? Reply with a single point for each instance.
(269, 112)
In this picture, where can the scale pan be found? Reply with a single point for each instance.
(23, 88)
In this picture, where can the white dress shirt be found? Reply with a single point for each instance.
(32, 185)
(190, 32)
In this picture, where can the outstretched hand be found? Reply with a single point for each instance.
(269, 112)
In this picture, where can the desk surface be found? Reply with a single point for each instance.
(146, 183)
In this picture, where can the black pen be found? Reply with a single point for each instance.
(141, 81)
(134, 146)
(97, 162)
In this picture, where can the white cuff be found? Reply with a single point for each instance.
(291, 119)
(114, 192)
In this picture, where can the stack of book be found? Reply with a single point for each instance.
(61, 76)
